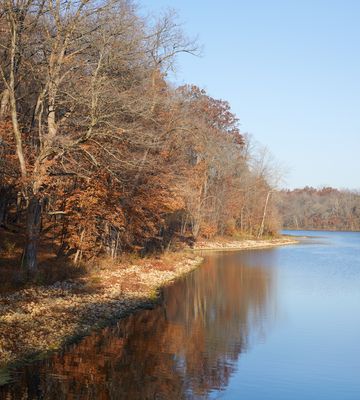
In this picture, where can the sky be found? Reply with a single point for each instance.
(290, 70)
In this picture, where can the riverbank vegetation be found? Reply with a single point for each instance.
(100, 154)
(320, 209)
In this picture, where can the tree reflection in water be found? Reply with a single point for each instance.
(183, 349)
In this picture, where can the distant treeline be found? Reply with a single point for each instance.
(324, 209)
(99, 153)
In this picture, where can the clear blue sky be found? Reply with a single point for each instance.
(291, 72)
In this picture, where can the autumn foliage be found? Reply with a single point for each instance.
(100, 154)
(325, 208)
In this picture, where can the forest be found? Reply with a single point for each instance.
(320, 209)
(100, 153)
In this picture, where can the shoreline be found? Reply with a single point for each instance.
(247, 244)
(38, 320)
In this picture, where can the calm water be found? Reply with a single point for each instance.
(267, 324)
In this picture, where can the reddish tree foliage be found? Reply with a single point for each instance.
(324, 209)
(99, 153)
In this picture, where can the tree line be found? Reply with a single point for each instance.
(99, 152)
(323, 209)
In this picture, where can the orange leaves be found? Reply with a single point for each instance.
(91, 208)
(208, 231)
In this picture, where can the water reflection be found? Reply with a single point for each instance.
(183, 349)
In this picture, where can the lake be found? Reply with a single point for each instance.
(280, 323)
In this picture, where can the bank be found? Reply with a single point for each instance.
(40, 319)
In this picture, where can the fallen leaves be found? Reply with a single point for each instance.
(44, 318)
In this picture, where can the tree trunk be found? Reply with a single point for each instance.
(4, 104)
(242, 219)
(13, 103)
(78, 254)
(33, 235)
(184, 222)
(261, 230)
(3, 206)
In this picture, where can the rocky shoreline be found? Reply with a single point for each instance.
(40, 319)
(229, 244)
